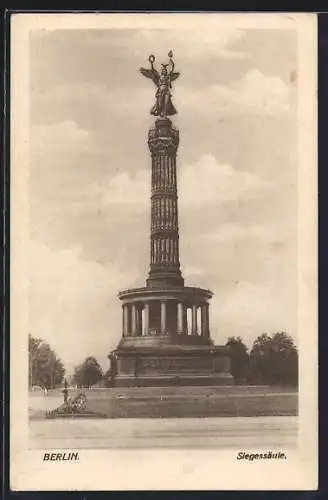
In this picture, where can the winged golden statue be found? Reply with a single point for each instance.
(163, 106)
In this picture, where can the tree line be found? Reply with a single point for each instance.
(272, 360)
(46, 369)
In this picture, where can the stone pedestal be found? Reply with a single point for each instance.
(173, 365)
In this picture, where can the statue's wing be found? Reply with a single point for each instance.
(150, 73)
(174, 76)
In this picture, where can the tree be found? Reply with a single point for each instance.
(260, 360)
(274, 360)
(45, 368)
(88, 373)
(239, 359)
(33, 351)
(284, 360)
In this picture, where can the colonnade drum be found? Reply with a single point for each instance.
(165, 317)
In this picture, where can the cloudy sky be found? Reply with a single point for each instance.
(90, 179)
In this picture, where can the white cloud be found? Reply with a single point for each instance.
(96, 96)
(254, 93)
(209, 181)
(261, 94)
(199, 183)
(123, 189)
(64, 138)
(73, 303)
(250, 309)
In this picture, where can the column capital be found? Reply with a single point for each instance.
(163, 137)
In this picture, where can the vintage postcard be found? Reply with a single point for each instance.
(163, 252)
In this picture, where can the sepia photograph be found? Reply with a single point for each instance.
(163, 255)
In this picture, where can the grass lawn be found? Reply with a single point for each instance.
(164, 402)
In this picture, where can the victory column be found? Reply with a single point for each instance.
(159, 345)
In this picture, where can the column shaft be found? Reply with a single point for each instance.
(203, 320)
(134, 320)
(185, 319)
(180, 318)
(125, 320)
(139, 321)
(146, 319)
(207, 322)
(163, 140)
(194, 320)
(163, 317)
